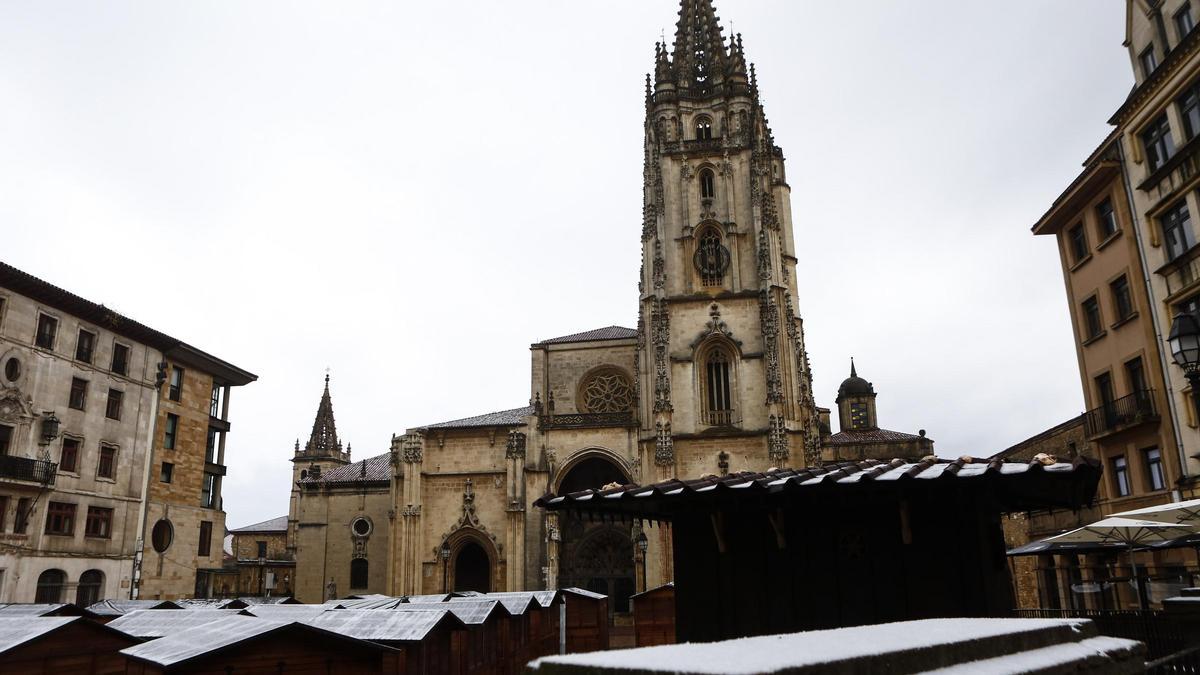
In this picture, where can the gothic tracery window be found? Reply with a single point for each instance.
(712, 258)
(707, 184)
(718, 395)
(606, 390)
(703, 129)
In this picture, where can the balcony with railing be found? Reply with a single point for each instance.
(718, 418)
(1123, 413)
(25, 469)
(1182, 273)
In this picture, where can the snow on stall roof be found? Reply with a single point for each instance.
(543, 598)
(156, 623)
(1047, 658)
(16, 631)
(375, 625)
(516, 604)
(32, 609)
(585, 593)
(200, 640)
(273, 600)
(776, 653)
(122, 607)
(287, 612)
(471, 611)
(434, 597)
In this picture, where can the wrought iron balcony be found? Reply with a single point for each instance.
(1123, 413)
(23, 468)
(718, 418)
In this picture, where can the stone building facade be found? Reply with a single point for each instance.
(714, 378)
(263, 563)
(79, 396)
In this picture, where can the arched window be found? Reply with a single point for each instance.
(712, 258)
(91, 583)
(707, 184)
(50, 586)
(703, 129)
(718, 395)
(358, 573)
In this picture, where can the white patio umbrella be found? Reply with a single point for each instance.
(1178, 513)
(1132, 532)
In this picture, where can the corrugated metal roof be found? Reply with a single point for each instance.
(122, 607)
(383, 625)
(606, 333)
(543, 598)
(16, 631)
(1018, 486)
(515, 604)
(500, 418)
(40, 609)
(156, 623)
(471, 611)
(286, 612)
(273, 600)
(273, 525)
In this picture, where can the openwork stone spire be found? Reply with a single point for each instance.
(699, 57)
(324, 441)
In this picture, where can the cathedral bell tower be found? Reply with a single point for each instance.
(322, 452)
(722, 365)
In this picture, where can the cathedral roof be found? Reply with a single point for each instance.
(371, 469)
(606, 333)
(500, 418)
(857, 436)
(273, 525)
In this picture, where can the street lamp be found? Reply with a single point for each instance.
(445, 566)
(642, 544)
(50, 426)
(1184, 341)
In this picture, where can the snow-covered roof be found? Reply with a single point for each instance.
(383, 625)
(16, 631)
(471, 611)
(157, 623)
(909, 646)
(123, 607)
(1017, 486)
(286, 612)
(41, 609)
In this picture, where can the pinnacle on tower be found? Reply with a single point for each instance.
(852, 373)
(324, 441)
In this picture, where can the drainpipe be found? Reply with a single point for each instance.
(1164, 366)
(140, 543)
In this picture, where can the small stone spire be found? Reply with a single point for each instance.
(324, 441)
(737, 58)
(852, 372)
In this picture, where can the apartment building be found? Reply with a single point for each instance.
(84, 392)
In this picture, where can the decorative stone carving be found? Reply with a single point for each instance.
(661, 327)
(777, 438)
(606, 390)
(14, 407)
(664, 444)
(686, 172)
(515, 447)
(723, 463)
(715, 326)
(468, 519)
(658, 267)
(412, 446)
(768, 314)
(764, 256)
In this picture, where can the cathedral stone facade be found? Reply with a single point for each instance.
(714, 378)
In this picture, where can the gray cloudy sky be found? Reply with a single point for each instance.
(412, 193)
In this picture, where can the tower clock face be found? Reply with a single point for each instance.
(858, 415)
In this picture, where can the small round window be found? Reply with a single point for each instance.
(162, 535)
(361, 527)
(12, 369)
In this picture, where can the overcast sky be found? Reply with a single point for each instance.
(411, 193)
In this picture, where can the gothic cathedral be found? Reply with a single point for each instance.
(715, 378)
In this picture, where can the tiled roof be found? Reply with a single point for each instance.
(273, 525)
(372, 469)
(1017, 486)
(606, 333)
(501, 418)
(855, 436)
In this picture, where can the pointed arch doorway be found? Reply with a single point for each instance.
(596, 556)
(472, 568)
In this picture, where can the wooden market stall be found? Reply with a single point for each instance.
(61, 645)
(654, 616)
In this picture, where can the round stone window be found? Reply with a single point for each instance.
(361, 527)
(12, 369)
(606, 390)
(162, 535)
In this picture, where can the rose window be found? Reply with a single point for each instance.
(607, 391)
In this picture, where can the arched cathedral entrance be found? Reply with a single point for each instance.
(596, 556)
(472, 569)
